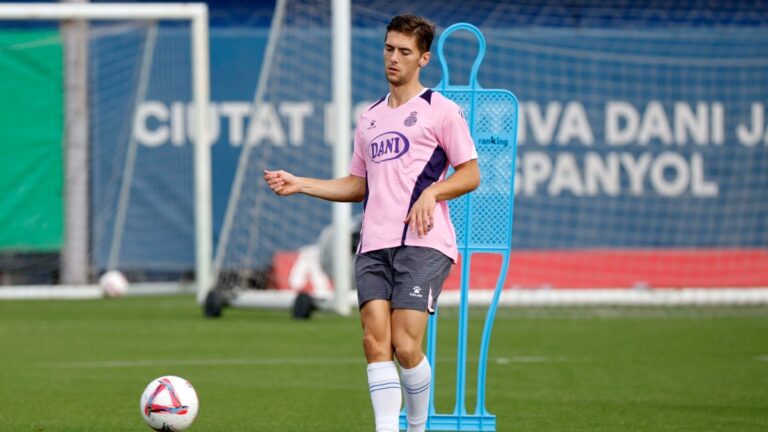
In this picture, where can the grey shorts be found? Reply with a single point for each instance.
(410, 277)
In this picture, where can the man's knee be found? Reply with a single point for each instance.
(377, 348)
(409, 353)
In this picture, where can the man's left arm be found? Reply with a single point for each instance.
(465, 178)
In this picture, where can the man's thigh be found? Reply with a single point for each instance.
(419, 273)
(374, 276)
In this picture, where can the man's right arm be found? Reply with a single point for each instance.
(345, 189)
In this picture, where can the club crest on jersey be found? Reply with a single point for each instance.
(388, 146)
(411, 119)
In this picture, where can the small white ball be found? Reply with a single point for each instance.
(169, 403)
(113, 284)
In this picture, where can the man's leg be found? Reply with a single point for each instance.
(415, 372)
(383, 380)
(419, 277)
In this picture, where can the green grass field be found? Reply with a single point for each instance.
(81, 366)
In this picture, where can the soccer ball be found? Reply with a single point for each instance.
(113, 284)
(169, 404)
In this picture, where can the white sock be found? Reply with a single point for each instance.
(384, 385)
(417, 384)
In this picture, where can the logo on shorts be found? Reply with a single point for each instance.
(416, 292)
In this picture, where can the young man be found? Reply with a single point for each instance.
(403, 145)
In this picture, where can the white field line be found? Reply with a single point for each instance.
(286, 361)
(763, 358)
(532, 359)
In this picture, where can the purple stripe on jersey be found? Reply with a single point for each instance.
(365, 204)
(430, 174)
(427, 96)
(377, 102)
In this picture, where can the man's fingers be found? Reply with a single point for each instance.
(272, 178)
(275, 182)
(280, 182)
(420, 221)
(413, 222)
(422, 224)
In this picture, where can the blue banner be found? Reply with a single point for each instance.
(628, 139)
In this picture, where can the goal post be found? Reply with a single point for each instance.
(342, 102)
(196, 14)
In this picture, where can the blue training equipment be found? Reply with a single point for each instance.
(483, 223)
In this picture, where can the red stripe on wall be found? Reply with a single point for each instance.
(699, 268)
(653, 268)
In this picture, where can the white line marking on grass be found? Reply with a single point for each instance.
(531, 359)
(209, 362)
(763, 358)
(286, 361)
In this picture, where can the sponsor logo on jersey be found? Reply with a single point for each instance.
(388, 146)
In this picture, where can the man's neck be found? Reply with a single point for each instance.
(399, 95)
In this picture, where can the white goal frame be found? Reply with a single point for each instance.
(197, 15)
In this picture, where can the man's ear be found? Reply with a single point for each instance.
(424, 60)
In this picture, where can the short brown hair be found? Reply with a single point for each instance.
(413, 25)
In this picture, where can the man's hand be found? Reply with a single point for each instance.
(420, 219)
(465, 179)
(281, 182)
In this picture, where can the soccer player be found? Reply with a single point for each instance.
(403, 145)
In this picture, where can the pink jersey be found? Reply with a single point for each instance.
(402, 151)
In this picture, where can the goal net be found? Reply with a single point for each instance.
(642, 166)
(642, 173)
(124, 201)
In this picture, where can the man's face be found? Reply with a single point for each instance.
(402, 58)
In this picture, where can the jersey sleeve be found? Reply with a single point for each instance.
(357, 164)
(453, 135)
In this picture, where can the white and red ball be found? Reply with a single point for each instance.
(169, 403)
(113, 284)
